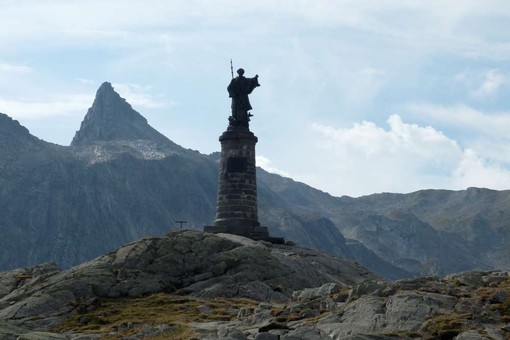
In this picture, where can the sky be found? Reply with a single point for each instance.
(356, 97)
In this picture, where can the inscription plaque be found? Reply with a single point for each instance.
(237, 164)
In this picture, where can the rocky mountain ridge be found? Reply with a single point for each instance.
(428, 232)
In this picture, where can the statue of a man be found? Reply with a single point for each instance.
(239, 89)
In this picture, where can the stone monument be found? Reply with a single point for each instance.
(236, 207)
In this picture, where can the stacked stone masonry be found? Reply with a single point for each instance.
(236, 208)
(237, 183)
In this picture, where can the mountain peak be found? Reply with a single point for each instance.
(15, 139)
(9, 125)
(111, 118)
(106, 86)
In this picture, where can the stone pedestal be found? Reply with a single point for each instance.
(236, 208)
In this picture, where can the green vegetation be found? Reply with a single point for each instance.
(22, 277)
(504, 309)
(487, 307)
(117, 318)
(441, 324)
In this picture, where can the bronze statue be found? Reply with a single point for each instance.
(239, 89)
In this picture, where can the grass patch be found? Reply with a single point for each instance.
(452, 323)
(504, 308)
(126, 316)
(22, 277)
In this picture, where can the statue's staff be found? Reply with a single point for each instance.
(231, 69)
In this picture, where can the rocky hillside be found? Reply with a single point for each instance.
(186, 263)
(190, 285)
(121, 180)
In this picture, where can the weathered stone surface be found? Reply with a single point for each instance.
(313, 293)
(231, 334)
(176, 263)
(472, 278)
(379, 288)
(9, 331)
(304, 332)
(12, 332)
(236, 203)
(470, 335)
(42, 336)
(266, 336)
(236, 207)
(430, 308)
(404, 311)
(17, 278)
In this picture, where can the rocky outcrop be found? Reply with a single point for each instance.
(183, 262)
(471, 305)
(229, 287)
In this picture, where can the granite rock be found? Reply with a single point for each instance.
(175, 263)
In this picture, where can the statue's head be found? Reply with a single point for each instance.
(240, 72)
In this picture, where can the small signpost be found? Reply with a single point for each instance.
(181, 223)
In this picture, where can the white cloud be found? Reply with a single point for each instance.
(473, 170)
(464, 117)
(86, 81)
(367, 140)
(64, 105)
(483, 84)
(407, 22)
(493, 81)
(361, 86)
(77, 104)
(11, 68)
(267, 165)
(366, 158)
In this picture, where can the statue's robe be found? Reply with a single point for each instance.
(239, 89)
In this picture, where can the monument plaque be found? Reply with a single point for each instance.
(236, 205)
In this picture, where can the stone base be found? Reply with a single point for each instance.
(254, 233)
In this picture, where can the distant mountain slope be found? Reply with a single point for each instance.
(427, 232)
(18, 147)
(121, 180)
